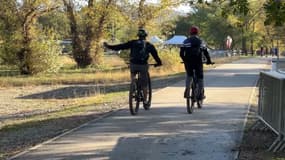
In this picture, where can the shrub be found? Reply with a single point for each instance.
(125, 55)
(170, 59)
(44, 56)
(8, 52)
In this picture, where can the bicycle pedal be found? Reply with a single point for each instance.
(146, 104)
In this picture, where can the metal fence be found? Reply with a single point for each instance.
(278, 65)
(271, 105)
(215, 53)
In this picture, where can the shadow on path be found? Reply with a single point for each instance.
(79, 91)
(141, 145)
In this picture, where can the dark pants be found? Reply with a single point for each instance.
(189, 67)
(143, 69)
(197, 70)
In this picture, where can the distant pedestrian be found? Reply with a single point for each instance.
(276, 51)
(261, 51)
(266, 51)
(272, 51)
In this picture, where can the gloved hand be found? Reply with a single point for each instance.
(157, 64)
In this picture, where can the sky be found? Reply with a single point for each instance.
(181, 8)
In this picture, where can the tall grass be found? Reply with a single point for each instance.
(113, 70)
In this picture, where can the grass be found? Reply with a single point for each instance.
(113, 71)
(70, 75)
(80, 106)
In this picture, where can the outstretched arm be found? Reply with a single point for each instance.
(117, 47)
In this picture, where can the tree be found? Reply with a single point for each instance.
(275, 12)
(21, 33)
(86, 44)
(214, 28)
(246, 13)
(152, 16)
(57, 21)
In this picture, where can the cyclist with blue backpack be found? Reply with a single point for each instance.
(139, 54)
(191, 52)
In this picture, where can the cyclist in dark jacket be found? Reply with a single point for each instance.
(191, 52)
(139, 54)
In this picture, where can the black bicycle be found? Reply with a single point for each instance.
(195, 96)
(136, 96)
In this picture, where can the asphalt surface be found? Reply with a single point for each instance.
(167, 131)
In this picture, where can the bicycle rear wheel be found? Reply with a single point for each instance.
(190, 102)
(134, 98)
(147, 103)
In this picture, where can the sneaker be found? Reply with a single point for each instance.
(187, 93)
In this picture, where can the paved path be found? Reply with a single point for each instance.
(167, 132)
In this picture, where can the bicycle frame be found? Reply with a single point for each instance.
(136, 94)
(195, 93)
(194, 97)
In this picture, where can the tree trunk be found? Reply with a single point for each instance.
(251, 41)
(26, 43)
(95, 48)
(141, 13)
(243, 42)
(81, 56)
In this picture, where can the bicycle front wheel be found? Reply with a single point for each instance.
(190, 101)
(147, 103)
(201, 98)
(189, 105)
(133, 98)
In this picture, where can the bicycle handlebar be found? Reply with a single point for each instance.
(151, 64)
(212, 63)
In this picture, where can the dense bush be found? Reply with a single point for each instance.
(8, 53)
(40, 55)
(169, 56)
(44, 56)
